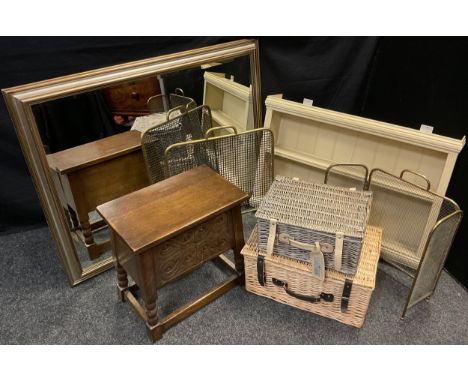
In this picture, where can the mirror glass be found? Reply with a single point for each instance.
(92, 139)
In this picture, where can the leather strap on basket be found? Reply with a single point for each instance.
(314, 299)
(316, 256)
(338, 250)
(346, 294)
(261, 276)
(271, 236)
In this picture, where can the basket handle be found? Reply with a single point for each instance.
(316, 254)
(428, 183)
(179, 91)
(314, 299)
(210, 130)
(285, 238)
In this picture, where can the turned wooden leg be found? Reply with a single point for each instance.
(122, 280)
(239, 238)
(87, 232)
(151, 312)
(154, 331)
(149, 295)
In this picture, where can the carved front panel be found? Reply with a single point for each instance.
(188, 250)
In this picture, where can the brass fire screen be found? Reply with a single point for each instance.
(437, 249)
(163, 103)
(406, 213)
(189, 125)
(418, 225)
(245, 159)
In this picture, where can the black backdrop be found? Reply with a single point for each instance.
(407, 81)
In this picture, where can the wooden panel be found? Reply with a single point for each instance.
(316, 138)
(409, 158)
(386, 156)
(109, 180)
(365, 150)
(345, 145)
(130, 98)
(95, 152)
(183, 253)
(287, 133)
(125, 257)
(230, 102)
(213, 97)
(285, 167)
(235, 108)
(432, 166)
(306, 138)
(325, 143)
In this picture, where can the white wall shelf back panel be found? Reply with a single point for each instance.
(230, 102)
(308, 139)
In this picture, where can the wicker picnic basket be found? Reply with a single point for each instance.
(315, 223)
(340, 297)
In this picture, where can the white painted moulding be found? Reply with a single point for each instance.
(308, 139)
(230, 102)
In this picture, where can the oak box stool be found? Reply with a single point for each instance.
(164, 231)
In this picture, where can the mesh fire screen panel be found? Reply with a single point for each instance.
(244, 159)
(418, 225)
(406, 213)
(438, 246)
(190, 125)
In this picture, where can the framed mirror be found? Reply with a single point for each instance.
(81, 142)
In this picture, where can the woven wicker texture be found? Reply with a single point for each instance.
(299, 279)
(310, 212)
(163, 103)
(189, 125)
(407, 214)
(244, 159)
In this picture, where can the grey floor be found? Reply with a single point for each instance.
(38, 307)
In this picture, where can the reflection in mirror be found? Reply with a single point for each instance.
(93, 140)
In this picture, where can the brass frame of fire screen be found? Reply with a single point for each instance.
(251, 152)
(421, 275)
(21, 99)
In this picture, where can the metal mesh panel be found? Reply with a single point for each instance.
(347, 175)
(407, 214)
(433, 260)
(162, 103)
(192, 124)
(244, 159)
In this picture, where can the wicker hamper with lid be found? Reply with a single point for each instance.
(318, 224)
(288, 281)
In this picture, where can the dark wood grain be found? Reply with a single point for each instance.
(148, 216)
(238, 237)
(190, 249)
(94, 152)
(91, 174)
(131, 98)
(167, 230)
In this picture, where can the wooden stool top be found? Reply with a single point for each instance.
(94, 152)
(158, 212)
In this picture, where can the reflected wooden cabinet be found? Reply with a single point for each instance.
(94, 173)
(130, 98)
